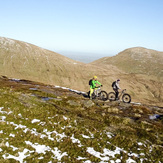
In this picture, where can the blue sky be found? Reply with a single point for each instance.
(103, 27)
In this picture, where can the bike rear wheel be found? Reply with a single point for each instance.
(111, 96)
(126, 98)
(103, 95)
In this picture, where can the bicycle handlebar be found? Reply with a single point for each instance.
(123, 90)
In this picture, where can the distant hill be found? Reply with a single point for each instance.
(137, 60)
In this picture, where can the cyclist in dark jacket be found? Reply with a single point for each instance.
(116, 87)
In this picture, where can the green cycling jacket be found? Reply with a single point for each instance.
(93, 85)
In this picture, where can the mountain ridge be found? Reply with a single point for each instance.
(137, 60)
(26, 61)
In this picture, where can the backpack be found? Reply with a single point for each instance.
(90, 82)
(113, 84)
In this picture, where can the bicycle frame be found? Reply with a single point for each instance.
(121, 93)
(99, 94)
(97, 91)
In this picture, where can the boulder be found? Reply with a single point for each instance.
(88, 103)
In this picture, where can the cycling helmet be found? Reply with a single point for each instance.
(95, 77)
(118, 79)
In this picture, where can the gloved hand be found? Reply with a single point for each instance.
(101, 85)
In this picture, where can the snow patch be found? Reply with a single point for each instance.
(74, 140)
(65, 118)
(35, 121)
(12, 135)
(20, 158)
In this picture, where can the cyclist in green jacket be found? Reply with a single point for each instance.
(93, 85)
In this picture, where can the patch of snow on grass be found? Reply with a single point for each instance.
(104, 156)
(14, 148)
(58, 154)
(88, 161)
(65, 118)
(42, 123)
(81, 158)
(7, 144)
(20, 158)
(12, 135)
(139, 143)
(35, 121)
(74, 140)
(99, 155)
(130, 161)
(20, 115)
(118, 161)
(3, 112)
(109, 134)
(85, 136)
(18, 126)
(57, 134)
(2, 118)
(57, 86)
(40, 158)
(39, 148)
(43, 148)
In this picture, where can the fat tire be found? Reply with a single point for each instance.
(126, 98)
(103, 95)
(111, 96)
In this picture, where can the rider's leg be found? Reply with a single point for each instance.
(116, 93)
(91, 91)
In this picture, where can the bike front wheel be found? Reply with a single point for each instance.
(103, 95)
(126, 98)
(111, 96)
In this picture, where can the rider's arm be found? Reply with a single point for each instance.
(98, 83)
(118, 86)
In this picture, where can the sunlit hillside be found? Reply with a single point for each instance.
(26, 61)
(137, 60)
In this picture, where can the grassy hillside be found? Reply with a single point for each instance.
(137, 60)
(23, 60)
(43, 123)
(26, 61)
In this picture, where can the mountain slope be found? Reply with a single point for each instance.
(136, 60)
(26, 61)
(23, 60)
